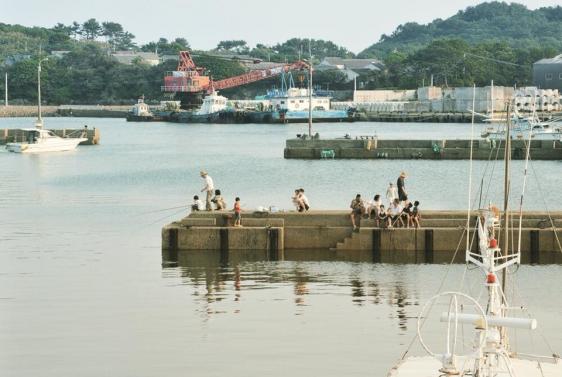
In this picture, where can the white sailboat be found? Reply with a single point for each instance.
(490, 353)
(37, 139)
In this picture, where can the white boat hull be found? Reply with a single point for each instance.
(51, 145)
(427, 366)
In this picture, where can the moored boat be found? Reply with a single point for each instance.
(38, 140)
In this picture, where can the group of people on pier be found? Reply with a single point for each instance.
(400, 212)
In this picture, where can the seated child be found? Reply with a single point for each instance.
(407, 214)
(219, 201)
(197, 204)
(416, 216)
(384, 220)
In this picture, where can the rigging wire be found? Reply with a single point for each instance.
(546, 207)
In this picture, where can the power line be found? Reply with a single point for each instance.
(495, 60)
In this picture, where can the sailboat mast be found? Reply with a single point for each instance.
(505, 248)
(39, 120)
(310, 89)
(506, 184)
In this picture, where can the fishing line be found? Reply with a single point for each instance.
(159, 210)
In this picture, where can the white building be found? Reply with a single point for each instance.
(128, 57)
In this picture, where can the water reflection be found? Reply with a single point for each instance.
(218, 284)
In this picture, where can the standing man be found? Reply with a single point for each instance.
(391, 193)
(402, 195)
(209, 188)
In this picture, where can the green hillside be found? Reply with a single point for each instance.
(512, 23)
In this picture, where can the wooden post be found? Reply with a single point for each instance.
(535, 244)
(273, 244)
(429, 246)
(173, 239)
(376, 246)
(223, 232)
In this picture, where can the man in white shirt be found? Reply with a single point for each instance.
(391, 193)
(209, 188)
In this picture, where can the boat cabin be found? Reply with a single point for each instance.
(213, 103)
(141, 108)
(297, 99)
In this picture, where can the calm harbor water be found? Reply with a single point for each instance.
(85, 290)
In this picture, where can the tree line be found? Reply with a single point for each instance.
(474, 46)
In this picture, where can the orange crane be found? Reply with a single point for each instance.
(190, 83)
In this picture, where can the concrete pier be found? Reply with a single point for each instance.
(306, 233)
(370, 147)
(14, 135)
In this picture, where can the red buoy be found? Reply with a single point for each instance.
(491, 278)
(493, 243)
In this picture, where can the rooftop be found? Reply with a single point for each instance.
(352, 63)
(555, 60)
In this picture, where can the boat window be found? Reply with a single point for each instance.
(548, 76)
(282, 102)
(301, 101)
(560, 76)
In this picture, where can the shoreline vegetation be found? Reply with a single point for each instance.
(491, 41)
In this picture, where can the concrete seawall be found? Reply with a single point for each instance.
(16, 135)
(93, 111)
(367, 147)
(273, 234)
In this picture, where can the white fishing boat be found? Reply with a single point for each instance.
(521, 126)
(487, 351)
(38, 140)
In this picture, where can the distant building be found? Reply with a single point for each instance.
(167, 57)
(547, 73)
(15, 58)
(59, 54)
(351, 67)
(128, 57)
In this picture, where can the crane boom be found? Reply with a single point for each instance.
(255, 75)
(188, 78)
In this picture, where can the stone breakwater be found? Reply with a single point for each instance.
(273, 233)
(370, 147)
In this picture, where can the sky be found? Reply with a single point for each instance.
(354, 24)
